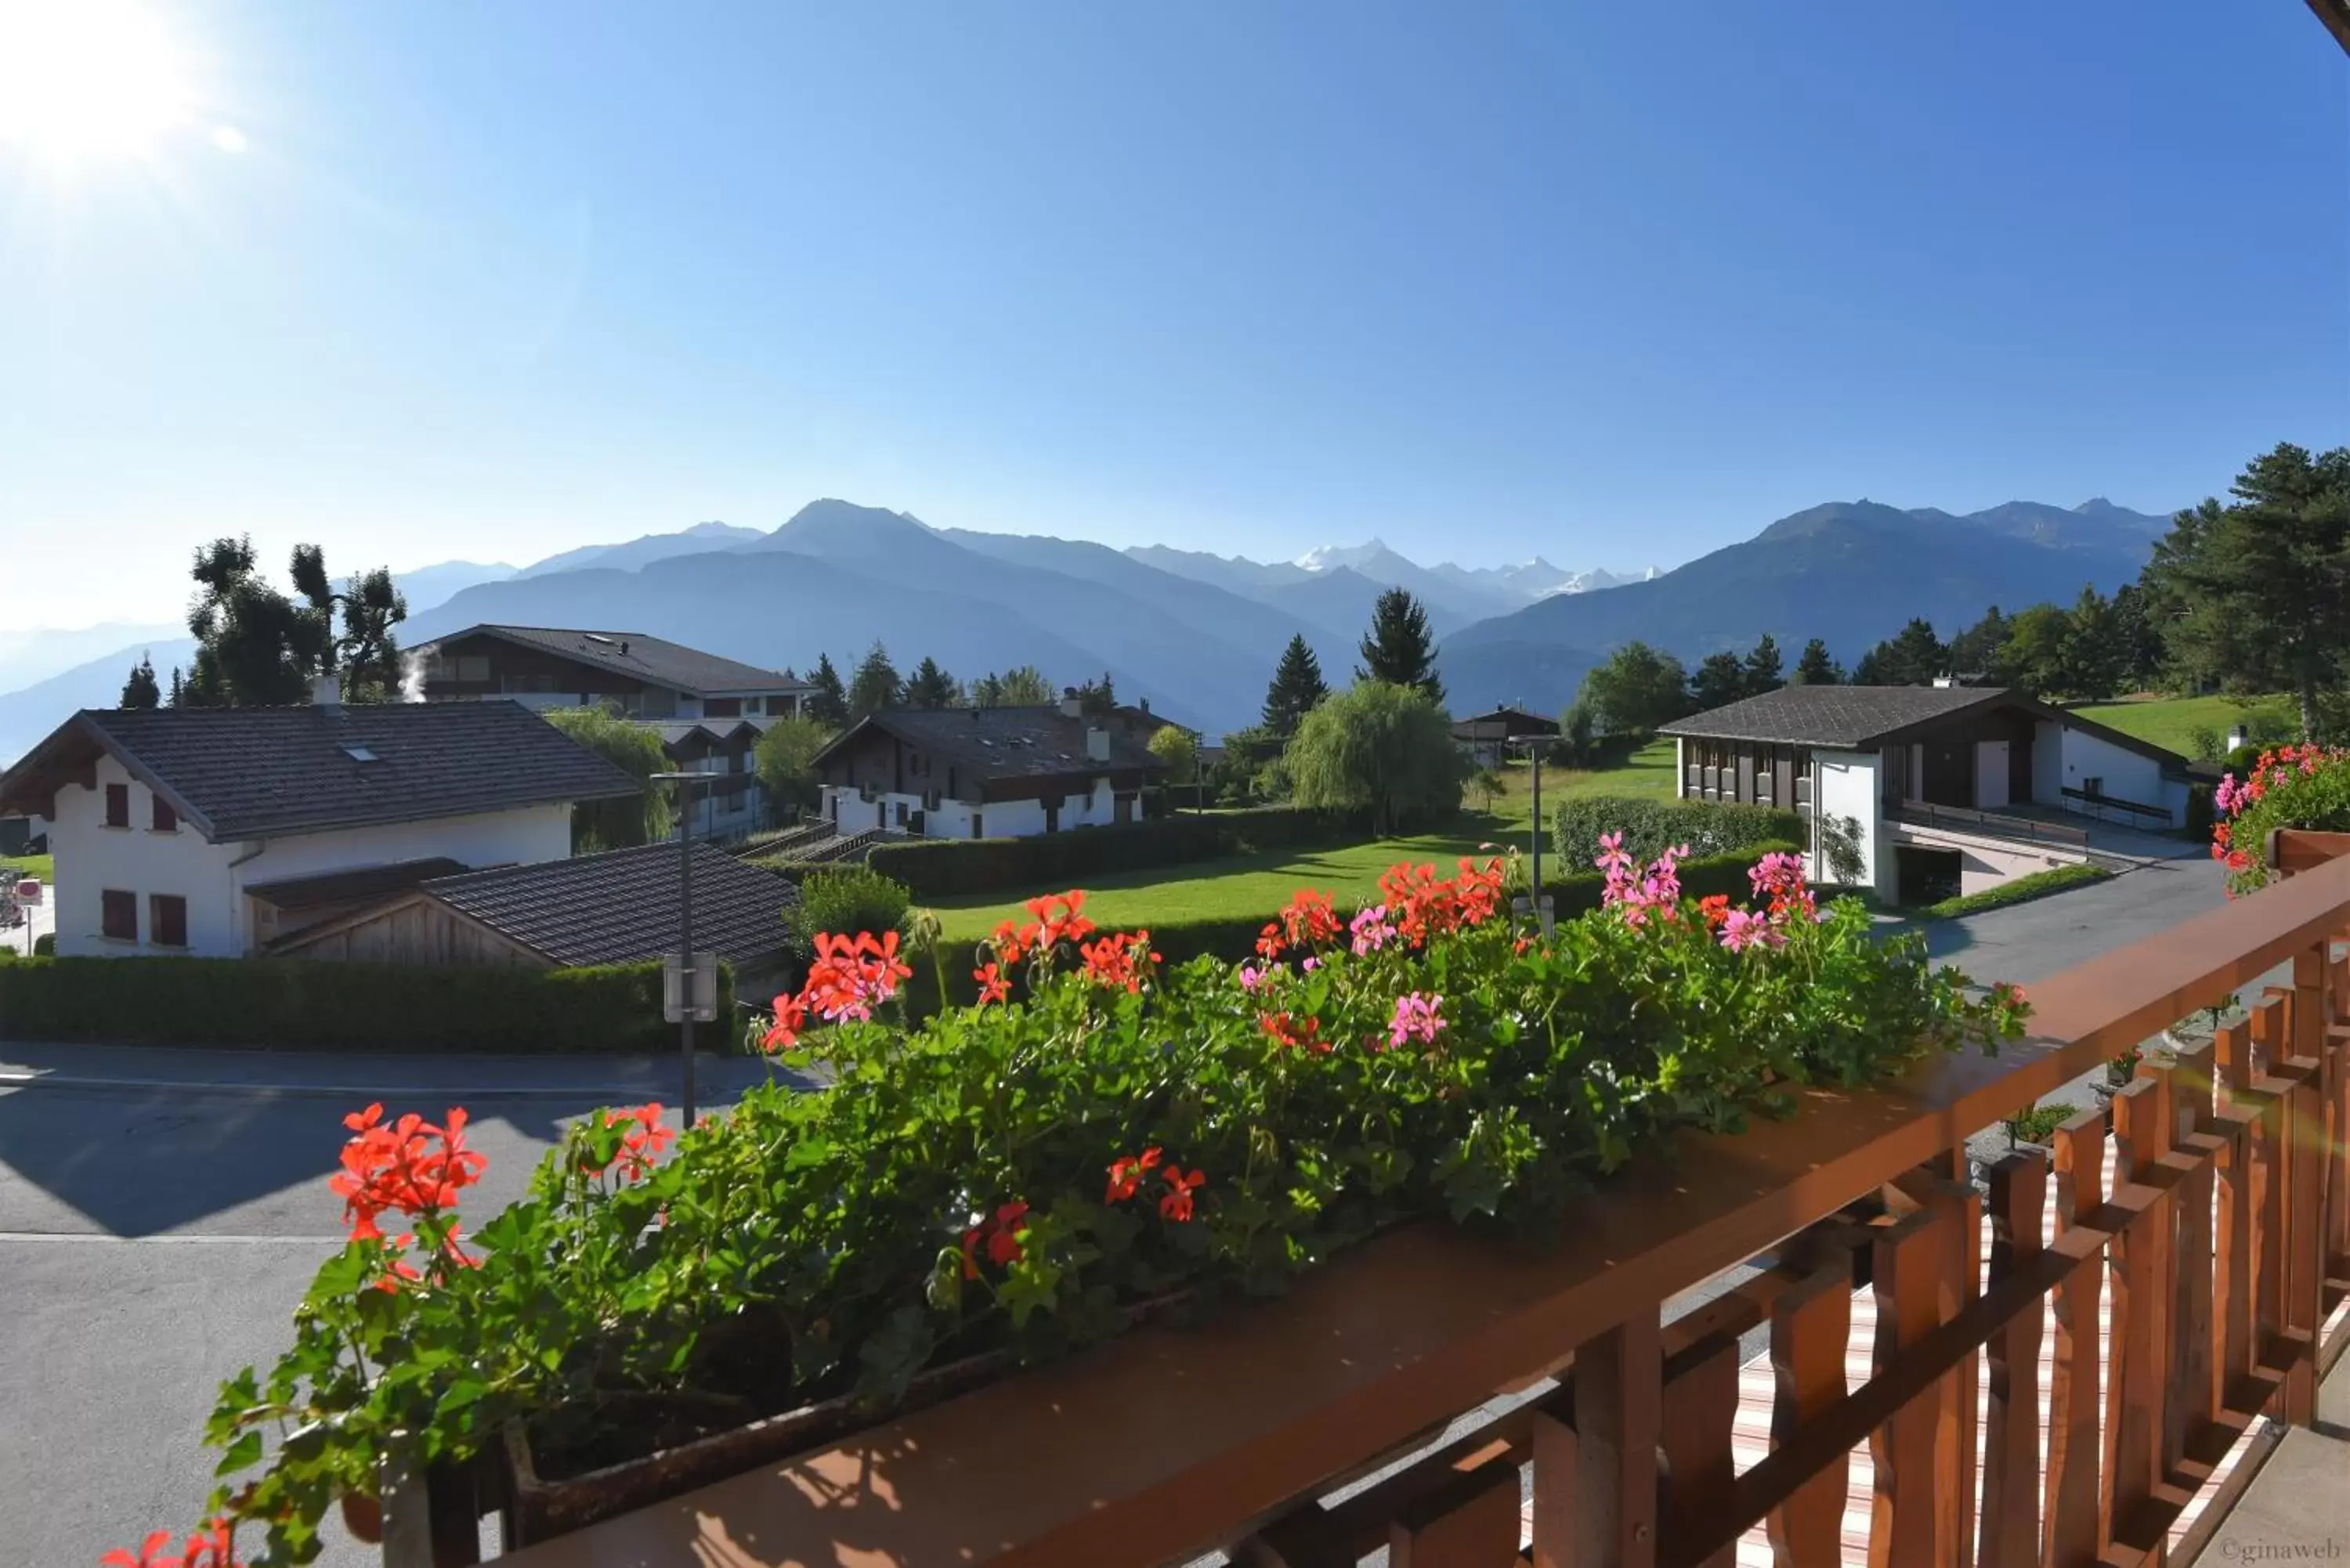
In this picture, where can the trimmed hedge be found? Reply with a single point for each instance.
(291, 1003)
(1650, 827)
(2022, 889)
(953, 867)
(1233, 937)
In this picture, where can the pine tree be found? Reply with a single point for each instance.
(1098, 698)
(932, 687)
(1399, 649)
(1763, 669)
(141, 690)
(1815, 667)
(875, 686)
(827, 700)
(2093, 649)
(1912, 656)
(1719, 680)
(179, 688)
(1977, 649)
(1297, 685)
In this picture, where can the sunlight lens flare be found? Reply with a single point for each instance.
(87, 77)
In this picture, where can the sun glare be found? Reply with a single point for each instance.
(81, 79)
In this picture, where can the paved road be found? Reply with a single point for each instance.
(154, 1239)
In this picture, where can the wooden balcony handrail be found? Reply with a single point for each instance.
(1170, 1442)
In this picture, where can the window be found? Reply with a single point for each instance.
(977, 830)
(118, 806)
(163, 819)
(119, 915)
(167, 919)
(721, 707)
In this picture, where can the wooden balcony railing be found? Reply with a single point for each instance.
(2207, 1229)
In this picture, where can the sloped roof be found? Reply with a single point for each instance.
(259, 773)
(1008, 742)
(622, 905)
(1844, 716)
(1858, 718)
(341, 887)
(651, 659)
(1503, 724)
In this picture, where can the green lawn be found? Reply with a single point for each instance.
(1260, 884)
(42, 866)
(2168, 721)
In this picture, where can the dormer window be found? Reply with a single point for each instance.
(358, 753)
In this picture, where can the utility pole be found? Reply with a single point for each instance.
(687, 999)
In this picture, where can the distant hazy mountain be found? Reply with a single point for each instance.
(1238, 573)
(427, 586)
(28, 715)
(1849, 572)
(35, 653)
(645, 550)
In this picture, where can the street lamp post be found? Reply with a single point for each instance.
(688, 1002)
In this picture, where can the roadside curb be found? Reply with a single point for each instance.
(606, 1092)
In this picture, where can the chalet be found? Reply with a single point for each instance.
(171, 827)
(1967, 785)
(615, 908)
(1490, 736)
(732, 802)
(642, 677)
(977, 772)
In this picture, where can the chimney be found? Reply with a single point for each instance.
(1097, 742)
(1145, 704)
(1070, 706)
(326, 691)
(624, 650)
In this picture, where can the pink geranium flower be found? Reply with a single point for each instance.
(1416, 1018)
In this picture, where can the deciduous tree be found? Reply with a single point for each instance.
(636, 750)
(785, 758)
(1179, 750)
(1638, 689)
(1382, 748)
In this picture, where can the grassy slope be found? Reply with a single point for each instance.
(42, 866)
(2167, 721)
(1260, 884)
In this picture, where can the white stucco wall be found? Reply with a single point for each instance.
(2128, 776)
(1844, 783)
(2047, 762)
(1990, 775)
(92, 857)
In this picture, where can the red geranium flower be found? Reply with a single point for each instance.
(791, 1013)
(1012, 942)
(1715, 908)
(1286, 1030)
(1309, 921)
(1117, 961)
(1176, 1202)
(1126, 1174)
(1270, 942)
(993, 986)
(1062, 916)
(1001, 1231)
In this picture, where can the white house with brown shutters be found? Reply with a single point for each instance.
(173, 829)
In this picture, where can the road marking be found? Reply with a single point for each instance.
(172, 1240)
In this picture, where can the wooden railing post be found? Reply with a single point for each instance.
(2232, 1274)
(2011, 1476)
(1701, 1410)
(2140, 1284)
(2336, 1081)
(2304, 1172)
(2071, 1504)
(2189, 1402)
(1915, 1452)
(2269, 1047)
(1618, 1401)
(1811, 1326)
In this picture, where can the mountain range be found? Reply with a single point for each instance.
(1199, 633)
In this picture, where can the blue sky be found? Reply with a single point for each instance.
(1617, 284)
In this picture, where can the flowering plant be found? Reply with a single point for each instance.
(2305, 786)
(1099, 1131)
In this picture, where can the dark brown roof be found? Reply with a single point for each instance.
(1008, 742)
(1859, 718)
(258, 772)
(1852, 717)
(622, 905)
(1503, 724)
(342, 887)
(651, 659)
